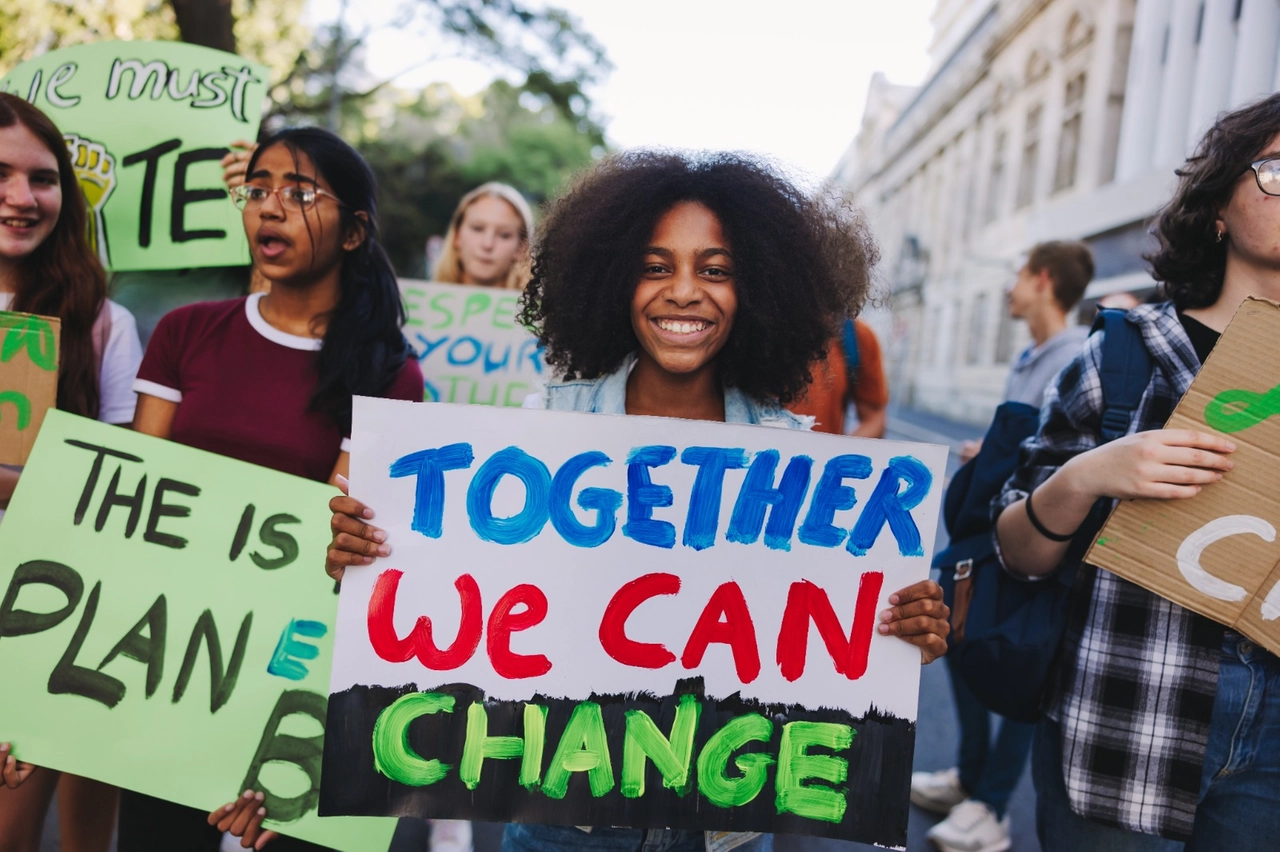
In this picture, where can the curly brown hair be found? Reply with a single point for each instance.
(1190, 261)
(802, 265)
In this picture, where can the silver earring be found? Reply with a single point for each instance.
(1220, 233)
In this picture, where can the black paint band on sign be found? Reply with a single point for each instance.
(877, 750)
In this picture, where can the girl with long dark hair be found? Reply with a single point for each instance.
(47, 267)
(269, 378)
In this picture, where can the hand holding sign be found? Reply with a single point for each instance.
(243, 818)
(1160, 464)
(1216, 553)
(13, 771)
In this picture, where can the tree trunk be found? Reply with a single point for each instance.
(206, 22)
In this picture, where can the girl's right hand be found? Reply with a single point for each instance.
(1164, 464)
(355, 541)
(12, 770)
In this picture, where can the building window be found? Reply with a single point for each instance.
(977, 329)
(1064, 175)
(996, 183)
(1030, 157)
(1037, 68)
(1078, 34)
(1115, 104)
(933, 332)
(1004, 336)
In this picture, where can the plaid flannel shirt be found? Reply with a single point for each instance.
(1138, 674)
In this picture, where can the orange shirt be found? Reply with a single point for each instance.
(829, 393)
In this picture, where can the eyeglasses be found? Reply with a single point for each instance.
(299, 198)
(1267, 172)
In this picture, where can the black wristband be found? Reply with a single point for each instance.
(1041, 528)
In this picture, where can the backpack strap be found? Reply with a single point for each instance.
(1125, 371)
(852, 359)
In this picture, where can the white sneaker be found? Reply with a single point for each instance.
(450, 835)
(971, 827)
(937, 791)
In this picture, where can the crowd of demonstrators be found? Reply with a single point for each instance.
(975, 794)
(708, 287)
(1163, 728)
(850, 375)
(47, 267)
(488, 240)
(694, 287)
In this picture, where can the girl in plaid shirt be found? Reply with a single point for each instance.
(1164, 730)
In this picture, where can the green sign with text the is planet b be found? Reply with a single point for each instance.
(146, 123)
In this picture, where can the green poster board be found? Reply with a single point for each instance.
(146, 123)
(124, 561)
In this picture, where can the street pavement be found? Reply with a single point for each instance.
(936, 733)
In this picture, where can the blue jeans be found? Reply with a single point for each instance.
(552, 838)
(988, 774)
(1239, 806)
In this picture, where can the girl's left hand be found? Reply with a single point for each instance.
(243, 818)
(919, 616)
(13, 771)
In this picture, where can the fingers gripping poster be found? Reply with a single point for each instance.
(470, 346)
(594, 620)
(165, 625)
(146, 123)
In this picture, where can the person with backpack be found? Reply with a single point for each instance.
(850, 373)
(1162, 727)
(975, 794)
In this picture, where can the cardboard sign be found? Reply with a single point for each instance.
(146, 123)
(629, 621)
(470, 346)
(1216, 553)
(165, 627)
(29, 349)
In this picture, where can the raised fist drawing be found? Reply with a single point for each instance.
(96, 170)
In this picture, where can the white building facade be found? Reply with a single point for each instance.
(1040, 119)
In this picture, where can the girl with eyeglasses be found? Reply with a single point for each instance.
(1164, 726)
(268, 379)
(47, 267)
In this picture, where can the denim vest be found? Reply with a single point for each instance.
(608, 395)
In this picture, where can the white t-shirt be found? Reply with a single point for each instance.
(120, 362)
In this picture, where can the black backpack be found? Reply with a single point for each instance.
(1006, 632)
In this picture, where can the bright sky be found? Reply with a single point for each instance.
(786, 78)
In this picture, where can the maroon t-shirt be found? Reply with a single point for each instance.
(245, 387)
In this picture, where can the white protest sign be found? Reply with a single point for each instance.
(470, 347)
(629, 621)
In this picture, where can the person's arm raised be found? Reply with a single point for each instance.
(1163, 464)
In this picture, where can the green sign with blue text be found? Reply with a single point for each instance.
(146, 124)
(165, 626)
